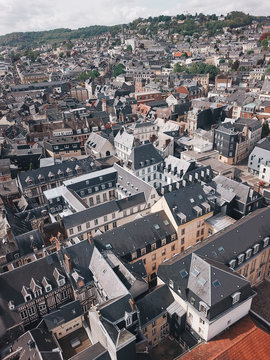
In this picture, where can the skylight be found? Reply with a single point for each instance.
(156, 226)
(202, 281)
(200, 197)
(191, 200)
(216, 283)
(165, 222)
(221, 249)
(195, 272)
(183, 273)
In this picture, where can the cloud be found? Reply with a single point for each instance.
(34, 15)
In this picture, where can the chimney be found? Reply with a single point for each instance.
(132, 304)
(68, 262)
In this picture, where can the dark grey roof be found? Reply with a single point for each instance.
(93, 352)
(114, 310)
(137, 234)
(184, 200)
(27, 242)
(80, 256)
(64, 314)
(86, 165)
(106, 208)
(154, 304)
(37, 343)
(263, 144)
(143, 156)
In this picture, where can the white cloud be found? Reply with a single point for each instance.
(34, 15)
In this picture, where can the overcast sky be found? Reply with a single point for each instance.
(34, 15)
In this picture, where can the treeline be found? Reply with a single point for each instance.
(36, 38)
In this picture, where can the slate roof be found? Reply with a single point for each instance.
(146, 154)
(184, 200)
(59, 171)
(263, 144)
(28, 241)
(94, 352)
(64, 314)
(80, 256)
(103, 209)
(137, 234)
(154, 304)
(132, 183)
(114, 310)
(37, 343)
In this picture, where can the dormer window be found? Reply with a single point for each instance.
(27, 297)
(61, 282)
(48, 288)
(128, 320)
(232, 264)
(236, 297)
(38, 293)
(265, 241)
(203, 308)
(171, 284)
(240, 258)
(256, 248)
(248, 253)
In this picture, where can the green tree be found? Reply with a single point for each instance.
(129, 48)
(235, 65)
(265, 129)
(118, 70)
(177, 68)
(264, 44)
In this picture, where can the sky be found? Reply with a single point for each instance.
(34, 15)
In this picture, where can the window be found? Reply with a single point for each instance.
(64, 295)
(182, 241)
(105, 218)
(113, 215)
(48, 288)
(28, 297)
(202, 321)
(31, 311)
(106, 227)
(42, 307)
(203, 308)
(265, 241)
(79, 228)
(114, 224)
(128, 320)
(88, 225)
(182, 231)
(91, 201)
(153, 257)
(154, 267)
(232, 264)
(96, 221)
(256, 248)
(172, 247)
(248, 253)
(153, 247)
(70, 231)
(143, 251)
(24, 314)
(163, 242)
(236, 297)
(134, 255)
(163, 253)
(105, 197)
(240, 258)
(171, 283)
(192, 301)
(98, 199)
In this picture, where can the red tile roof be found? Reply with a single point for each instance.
(243, 341)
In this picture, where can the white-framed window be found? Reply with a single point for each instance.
(256, 248)
(143, 251)
(128, 320)
(232, 263)
(48, 288)
(61, 282)
(265, 241)
(70, 231)
(171, 283)
(153, 246)
(248, 253)
(27, 297)
(163, 242)
(24, 314)
(236, 297)
(240, 258)
(134, 255)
